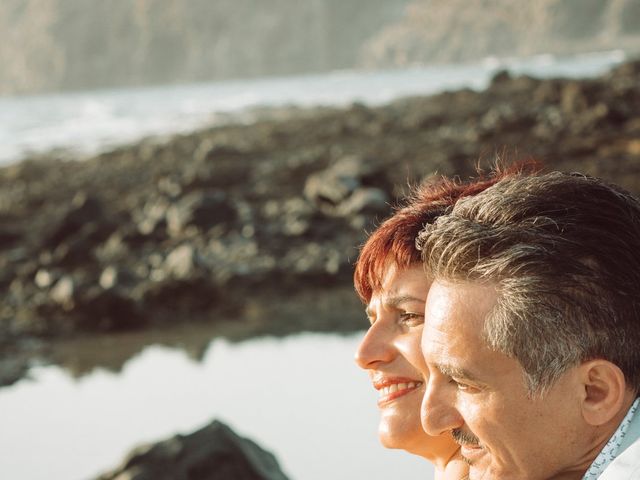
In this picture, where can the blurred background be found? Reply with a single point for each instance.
(184, 185)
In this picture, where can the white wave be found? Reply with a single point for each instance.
(88, 122)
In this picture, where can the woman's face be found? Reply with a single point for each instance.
(390, 352)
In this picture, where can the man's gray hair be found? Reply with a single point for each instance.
(563, 251)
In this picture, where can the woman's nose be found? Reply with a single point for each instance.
(376, 347)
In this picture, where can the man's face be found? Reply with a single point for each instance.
(480, 396)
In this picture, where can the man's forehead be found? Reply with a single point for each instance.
(467, 302)
(437, 342)
(454, 314)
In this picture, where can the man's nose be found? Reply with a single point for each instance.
(438, 412)
(376, 346)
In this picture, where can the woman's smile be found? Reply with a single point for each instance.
(391, 388)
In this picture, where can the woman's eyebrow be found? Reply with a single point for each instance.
(397, 300)
(392, 301)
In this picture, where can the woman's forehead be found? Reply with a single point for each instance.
(393, 275)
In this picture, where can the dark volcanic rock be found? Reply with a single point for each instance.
(213, 453)
(83, 211)
(338, 189)
(12, 370)
(257, 223)
(202, 209)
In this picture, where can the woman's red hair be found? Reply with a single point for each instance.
(394, 241)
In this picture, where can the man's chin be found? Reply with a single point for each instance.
(482, 471)
(479, 469)
(476, 473)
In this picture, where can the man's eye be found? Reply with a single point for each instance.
(463, 387)
(456, 383)
(411, 319)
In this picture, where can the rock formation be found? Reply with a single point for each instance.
(214, 452)
(255, 228)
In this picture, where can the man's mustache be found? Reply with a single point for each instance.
(465, 438)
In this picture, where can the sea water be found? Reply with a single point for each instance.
(301, 397)
(84, 123)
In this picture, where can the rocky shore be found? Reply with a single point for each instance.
(214, 452)
(256, 227)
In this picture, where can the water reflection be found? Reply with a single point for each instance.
(300, 397)
(111, 351)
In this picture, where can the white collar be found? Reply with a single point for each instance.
(612, 448)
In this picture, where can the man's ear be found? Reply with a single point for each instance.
(605, 391)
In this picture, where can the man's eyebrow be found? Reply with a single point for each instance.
(456, 372)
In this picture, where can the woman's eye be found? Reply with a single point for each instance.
(411, 319)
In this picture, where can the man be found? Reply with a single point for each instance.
(532, 329)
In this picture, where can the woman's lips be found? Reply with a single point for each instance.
(392, 388)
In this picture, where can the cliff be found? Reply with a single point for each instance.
(50, 45)
(463, 30)
(74, 44)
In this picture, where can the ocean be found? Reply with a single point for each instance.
(80, 124)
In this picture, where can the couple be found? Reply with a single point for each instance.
(505, 327)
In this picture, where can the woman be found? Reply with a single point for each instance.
(390, 281)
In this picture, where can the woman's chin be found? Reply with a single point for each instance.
(409, 436)
(400, 433)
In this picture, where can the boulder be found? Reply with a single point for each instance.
(333, 185)
(62, 292)
(340, 189)
(366, 200)
(201, 209)
(84, 210)
(9, 236)
(214, 452)
(113, 309)
(181, 262)
(12, 370)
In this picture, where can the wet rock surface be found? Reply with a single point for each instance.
(214, 452)
(257, 225)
